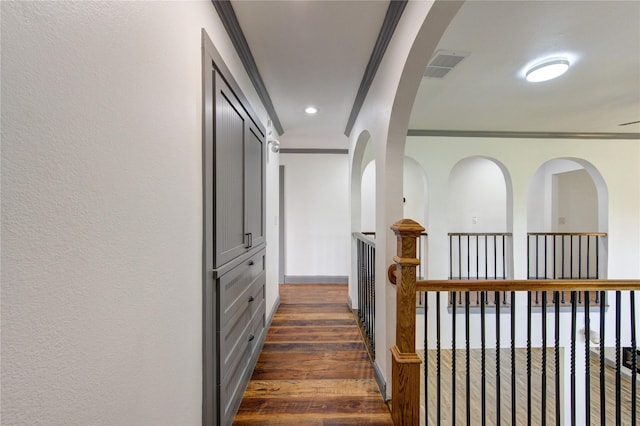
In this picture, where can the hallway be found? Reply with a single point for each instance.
(314, 369)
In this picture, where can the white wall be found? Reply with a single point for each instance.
(102, 211)
(577, 202)
(477, 200)
(368, 198)
(414, 192)
(317, 215)
(272, 220)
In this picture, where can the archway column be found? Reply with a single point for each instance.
(385, 114)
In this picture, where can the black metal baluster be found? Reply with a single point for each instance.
(453, 364)
(603, 411)
(579, 256)
(556, 299)
(359, 259)
(497, 300)
(543, 400)
(452, 299)
(467, 360)
(555, 261)
(562, 254)
(468, 256)
(573, 358)
(495, 256)
(597, 257)
(486, 257)
(367, 307)
(634, 360)
(513, 358)
(571, 256)
(367, 312)
(460, 262)
(365, 289)
(438, 357)
(537, 274)
(372, 302)
(367, 292)
(588, 255)
(477, 238)
(370, 290)
(587, 362)
(618, 360)
(504, 268)
(483, 358)
(528, 358)
(421, 274)
(546, 275)
(426, 355)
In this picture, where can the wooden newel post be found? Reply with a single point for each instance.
(405, 368)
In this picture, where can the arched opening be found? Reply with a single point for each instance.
(480, 218)
(478, 197)
(567, 217)
(362, 155)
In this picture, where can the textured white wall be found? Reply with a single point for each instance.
(317, 217)
(102, 211)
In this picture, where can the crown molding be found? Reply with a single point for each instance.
(231, 24)
(522, 135)
(394, 12)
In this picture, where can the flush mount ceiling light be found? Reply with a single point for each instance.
(311, 110)
(547, 70)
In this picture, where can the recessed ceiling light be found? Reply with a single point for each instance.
(311, 110)
(547, 70)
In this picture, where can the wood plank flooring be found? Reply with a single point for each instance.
(314, 368)
(446, 407)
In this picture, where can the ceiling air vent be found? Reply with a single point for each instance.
(442, 62)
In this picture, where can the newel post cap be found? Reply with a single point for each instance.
(407, 227)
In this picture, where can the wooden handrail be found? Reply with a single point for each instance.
(574, 234)
(527, 285)
(480, 234)
(518, 285)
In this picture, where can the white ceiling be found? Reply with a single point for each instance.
(315, 52)
(311, 53)
(487, 90)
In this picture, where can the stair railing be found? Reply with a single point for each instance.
(508, 406)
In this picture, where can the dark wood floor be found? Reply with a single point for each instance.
(314, 368)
